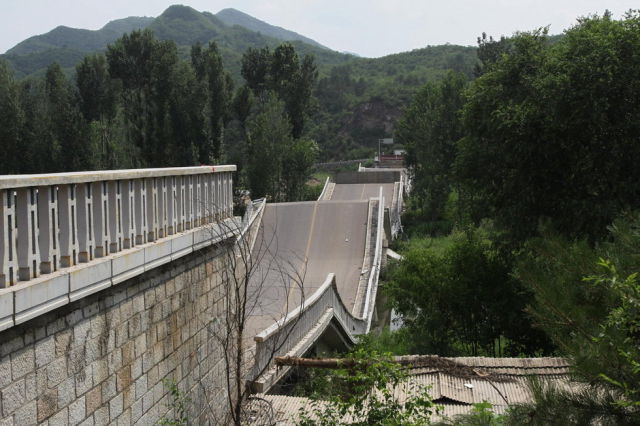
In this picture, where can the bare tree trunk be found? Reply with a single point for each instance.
(244, 285)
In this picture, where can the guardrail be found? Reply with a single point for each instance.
(395, 212)
(333, 164)
(324, 189)
(67, 235)
(293, 332)
(374, 273)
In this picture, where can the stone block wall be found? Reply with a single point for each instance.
(103, 359)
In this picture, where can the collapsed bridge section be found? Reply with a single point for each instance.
(319, 264)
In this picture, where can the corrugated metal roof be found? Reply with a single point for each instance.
(455, 386)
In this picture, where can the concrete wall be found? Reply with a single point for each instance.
(367, 177)
(102, 359)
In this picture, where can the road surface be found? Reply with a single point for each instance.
(363, 191)
(304, 242)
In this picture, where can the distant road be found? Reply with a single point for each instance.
(363, 191)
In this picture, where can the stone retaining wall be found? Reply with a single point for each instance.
(102, 359)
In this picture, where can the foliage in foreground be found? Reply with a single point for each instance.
(551, 130)
(587, 300)
(366, 394)
(480, 415)
(461, 300)
(178, 407)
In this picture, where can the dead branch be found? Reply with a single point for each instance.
(431, 362)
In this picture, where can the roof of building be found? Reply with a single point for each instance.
(457, 383)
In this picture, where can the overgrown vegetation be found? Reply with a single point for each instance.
(356, 100)
(461, 300)
(366, 392)
(140, 105)
(532, 166)
(178, 407)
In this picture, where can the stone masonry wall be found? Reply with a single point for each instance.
(102, 360)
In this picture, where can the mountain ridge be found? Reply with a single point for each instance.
(182, 24)
(79, 38)
(231, 16)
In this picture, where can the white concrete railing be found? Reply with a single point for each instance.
(292, 332)
(251, 225)
(397, 203)
(324, 189)
(374, 273)
(62, 234)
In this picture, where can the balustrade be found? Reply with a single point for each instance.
(49, 222)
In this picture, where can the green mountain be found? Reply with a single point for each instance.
(182, 24)
(359, 99)
(235, 17)
(78, 39)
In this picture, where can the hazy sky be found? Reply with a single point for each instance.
(366, 27)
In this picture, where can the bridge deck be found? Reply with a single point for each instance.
(304, 242)
(363, 191)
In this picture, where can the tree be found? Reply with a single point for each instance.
(96, 89)
(255, 68)
(67, 131)
(297, 164)
(210, 72)
(269, 139)
(282, 73)
(365, 390)
(11, 121)
(248, 266)
(474, 307)
(430, 129)
(551, 130)
(36, 155)
(98, 95)
(299, 99)
(587, 300)
(242, 102)
(146, 69)
(489, 52)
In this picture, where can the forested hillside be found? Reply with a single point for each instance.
(360, 101)
(232, 17)
(356, 100)
(233, 31)
(523, 223)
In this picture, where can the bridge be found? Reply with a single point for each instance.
(110, 280)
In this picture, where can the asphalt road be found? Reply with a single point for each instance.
(303, 243)
(363, 191)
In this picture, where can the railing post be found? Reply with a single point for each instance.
(28, 253)
(67, 212)
(48, 228)
(206, 209)
(212, 197)
(225, 196)
(85, 222)
(152, 209)
(100, 218)
(127, 214)
(172, 204)
(197, 201)
(162, 207)
(7, 239)
(230, 187)
(188, 202)
(140, 208)
(114, 195)
(181, 203)
(218, 196)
